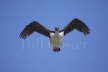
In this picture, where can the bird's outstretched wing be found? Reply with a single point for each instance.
(34, 27)
(76, 24)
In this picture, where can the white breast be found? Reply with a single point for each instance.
(56, 39)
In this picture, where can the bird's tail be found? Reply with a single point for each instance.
(56, 49)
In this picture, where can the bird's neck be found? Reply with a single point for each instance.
(56, 31)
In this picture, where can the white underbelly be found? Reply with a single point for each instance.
(56, 41)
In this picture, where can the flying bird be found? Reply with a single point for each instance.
(55, 37)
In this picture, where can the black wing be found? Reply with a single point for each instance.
(34, 27)
(76, 24)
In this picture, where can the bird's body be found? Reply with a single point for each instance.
(56, 37)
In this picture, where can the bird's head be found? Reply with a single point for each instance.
(57, 28)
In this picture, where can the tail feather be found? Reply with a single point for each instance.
(56, 49)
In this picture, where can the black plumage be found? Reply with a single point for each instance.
(78, 25)
(37, 27)
(34, 27)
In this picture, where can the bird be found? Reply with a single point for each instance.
(55, 36)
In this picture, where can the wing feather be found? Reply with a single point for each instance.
(34, 27)
(78, 25)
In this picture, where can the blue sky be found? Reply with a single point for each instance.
(79, 53)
